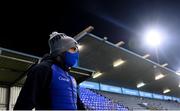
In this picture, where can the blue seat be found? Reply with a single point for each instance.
(94, 101)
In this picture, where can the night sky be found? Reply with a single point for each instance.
(25, 26)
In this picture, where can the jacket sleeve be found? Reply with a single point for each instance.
(80, 105)
(32, 88)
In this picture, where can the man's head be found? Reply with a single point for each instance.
(63, 45)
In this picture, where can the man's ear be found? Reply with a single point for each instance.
(58, 58)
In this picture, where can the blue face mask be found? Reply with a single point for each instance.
(71, 59)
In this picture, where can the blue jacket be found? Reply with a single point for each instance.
(63, 89)
(48, 86)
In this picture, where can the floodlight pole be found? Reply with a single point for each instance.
(157, 56)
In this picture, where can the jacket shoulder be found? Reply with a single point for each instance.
(42, 65)
(39, 69)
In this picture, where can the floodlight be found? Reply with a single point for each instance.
(140, 85)
(97, 74)
(118, 62)
(159, 76)
(153, 37)
(80, 47)
(166, 91)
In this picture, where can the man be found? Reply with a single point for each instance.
(48, 84)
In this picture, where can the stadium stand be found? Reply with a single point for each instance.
(94, 101)
(139, 103)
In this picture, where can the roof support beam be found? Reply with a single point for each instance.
(22, 75)
(16, 59)
(84, 32)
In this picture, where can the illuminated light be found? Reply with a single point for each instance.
(159, 76)
(119, 43)
(146, 56)
(166, 91)
(140, 85)
(179, 84)
(118, 62)
(153, 37)
(97, 74)
(80, 47)
(178, 73)
(164, 65)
